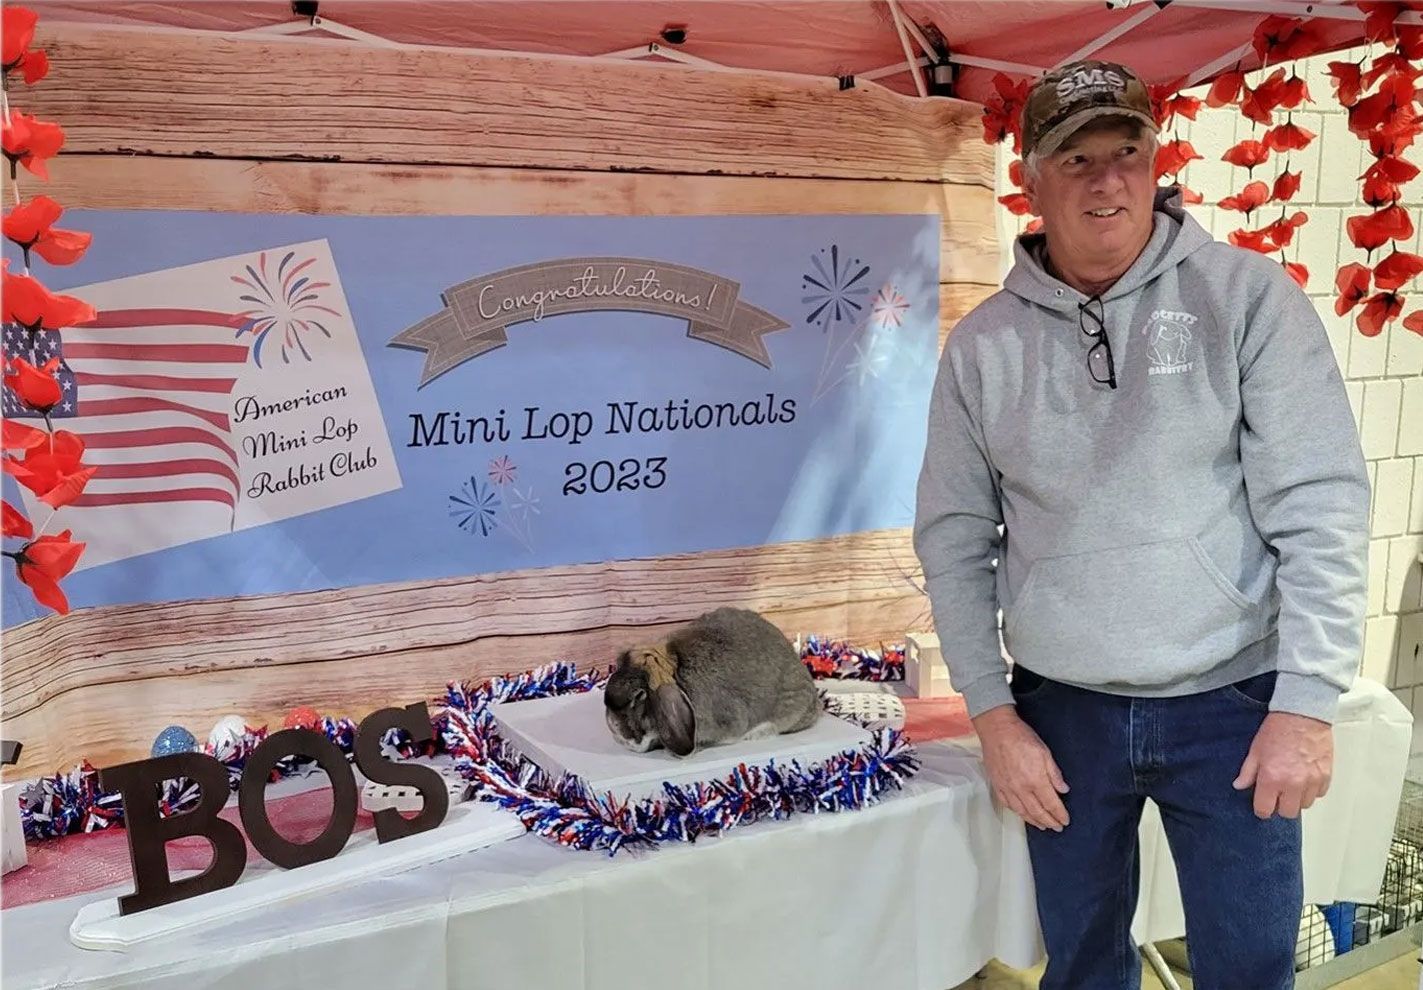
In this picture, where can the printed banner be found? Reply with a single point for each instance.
(286, 403)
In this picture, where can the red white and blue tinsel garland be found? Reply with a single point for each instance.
(563, 810)
(567, 812)
(838, 660)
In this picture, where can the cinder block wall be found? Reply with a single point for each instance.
(1384, 373)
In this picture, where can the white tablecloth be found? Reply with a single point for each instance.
(918, 892)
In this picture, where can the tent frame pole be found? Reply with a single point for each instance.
(1092, 47)
(910, 62)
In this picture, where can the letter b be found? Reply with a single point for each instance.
(148, 834)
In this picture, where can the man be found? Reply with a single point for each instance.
(1142, 453)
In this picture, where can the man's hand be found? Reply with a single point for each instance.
(1289, 763)
(1022, 771)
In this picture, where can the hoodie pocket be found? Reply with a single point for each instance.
(1145, 614)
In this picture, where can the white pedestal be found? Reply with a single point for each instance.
(12, 832)
(924, 669)
(569, 734)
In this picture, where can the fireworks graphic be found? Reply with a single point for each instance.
(888, 308)
(831, 293)
(502, 470)
(285, 303)
(482, 507)
(476, 508)
(860, 346)
(523, 504)
(868, 362)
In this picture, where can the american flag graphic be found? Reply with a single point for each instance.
(149, 391)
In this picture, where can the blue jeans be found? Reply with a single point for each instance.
(1240, 877)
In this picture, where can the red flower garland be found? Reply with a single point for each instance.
(1388, 119)
(1276, 39)
(47, 462)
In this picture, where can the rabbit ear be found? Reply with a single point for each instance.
(672, 714)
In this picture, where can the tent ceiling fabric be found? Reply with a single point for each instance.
(816, 37)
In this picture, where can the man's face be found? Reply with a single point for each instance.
(1096, 192)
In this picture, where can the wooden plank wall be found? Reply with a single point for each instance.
(276, 126)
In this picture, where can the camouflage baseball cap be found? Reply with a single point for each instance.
(1068, 97)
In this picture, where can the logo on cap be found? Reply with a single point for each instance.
(1065, 99)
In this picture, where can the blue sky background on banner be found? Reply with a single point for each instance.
(847, 463)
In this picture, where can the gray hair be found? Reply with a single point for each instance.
(1032, 161)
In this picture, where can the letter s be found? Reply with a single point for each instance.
(414, 719)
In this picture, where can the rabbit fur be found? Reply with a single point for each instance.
(727, 676)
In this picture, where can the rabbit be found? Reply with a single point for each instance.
(727, 676)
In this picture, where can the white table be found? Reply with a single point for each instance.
(918, 892)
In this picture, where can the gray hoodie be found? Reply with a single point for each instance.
(1204, 522)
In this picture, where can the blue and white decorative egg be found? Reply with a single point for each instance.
(174, 739)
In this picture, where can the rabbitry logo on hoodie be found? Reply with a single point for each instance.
(1168, 342)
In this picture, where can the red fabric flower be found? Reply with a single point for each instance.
(1348, 82)
(18, 436)
(1226, 89)
(1286, 185)
(15, 523)
(1397, 270)
(1173, 156)
(42, 563)
(1352, 281)
(1167, 102)
(34, 67)
(1247, 154)
(30, 142)
(1190, 195)
(1288, 137)
(1378, 191)
(53, 471)
(1250, 199)
(29, 304)
(1390, 63)
(1282, 231)
(1381, 310)
(1295, 92)
(1408, 38)
(17, 30)
(1259, 103)
(1383, 145)
(1415, 322)
(31, 226)
(1392, 168)
(35, 387)
(1283, 39)
(1017, 204)
(1392, 223)
(1002, 109)
(1369, 113)
(1378, 25)
(1297, 272)
(1254, 240)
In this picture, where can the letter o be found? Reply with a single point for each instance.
(252, 794)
